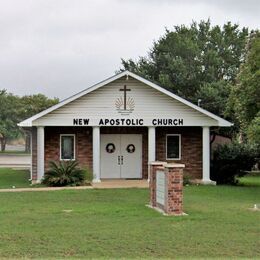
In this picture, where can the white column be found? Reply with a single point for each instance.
(151, 147)
(96, 153)
(206, 155)
(40, 153)
(151, 144)
(31, 145)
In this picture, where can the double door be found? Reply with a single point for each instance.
(121, 156)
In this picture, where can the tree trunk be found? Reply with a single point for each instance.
(3, 144)
(27, 143)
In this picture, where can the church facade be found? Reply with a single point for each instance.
(116, 127)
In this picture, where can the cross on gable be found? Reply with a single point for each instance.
(125, 89)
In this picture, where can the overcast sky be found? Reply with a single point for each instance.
(59, 47)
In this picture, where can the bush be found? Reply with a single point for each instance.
(186, 180)
(231, 161)
(64, 173)
(88, 175)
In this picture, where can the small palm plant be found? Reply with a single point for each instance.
(64, 173)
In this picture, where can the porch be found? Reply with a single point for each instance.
(91, 147)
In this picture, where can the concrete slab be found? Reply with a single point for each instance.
(46, 189)
(119, 183)
(15, 161)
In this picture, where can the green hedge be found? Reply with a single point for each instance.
(232, 160)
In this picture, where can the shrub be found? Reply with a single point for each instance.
(186, 180)
(88, 175)
(231, 161)
(64, 173)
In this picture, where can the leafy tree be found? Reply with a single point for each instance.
(244, 100)
(9, 116)
(214, 96)
(31, 105)
(15, 109)
(34, 104)
(253, 131)
(195, 62)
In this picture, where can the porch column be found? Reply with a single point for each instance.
(96, 153)
(151, 147)
(151, 144)
(206, 156)
(40, 153)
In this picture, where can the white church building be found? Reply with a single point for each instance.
(116, 127)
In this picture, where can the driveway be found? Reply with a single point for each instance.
(15, 161)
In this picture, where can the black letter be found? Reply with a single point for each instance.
(86, 121)
(180, 121)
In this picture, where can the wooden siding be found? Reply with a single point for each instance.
(149, 104)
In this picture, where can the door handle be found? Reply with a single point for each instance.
(122, 159)
(118, 159)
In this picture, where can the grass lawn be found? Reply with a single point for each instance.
(14, 152)
(116, 224)
(251, 179)
(10, 177)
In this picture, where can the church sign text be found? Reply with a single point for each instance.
(128, 122)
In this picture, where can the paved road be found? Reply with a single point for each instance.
(17, 147)
(15, 161)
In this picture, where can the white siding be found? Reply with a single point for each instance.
(149, 104)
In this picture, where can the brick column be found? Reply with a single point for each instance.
(153, 166)
(174, 201)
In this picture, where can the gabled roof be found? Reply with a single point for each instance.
(28, 122)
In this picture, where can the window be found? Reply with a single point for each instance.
(67, 147)
(173, 147)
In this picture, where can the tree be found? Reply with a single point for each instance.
(34, 104)
(196, 62)
(9, 116)
(15, 109)
(31, 105)
(253, 131)
(244, 100)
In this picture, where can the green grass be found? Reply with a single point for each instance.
(14, 152)
(250, 180)
(10, 177)
(115, 223)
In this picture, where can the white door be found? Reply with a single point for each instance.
(110, 156)
(131, 156)
(121, 156)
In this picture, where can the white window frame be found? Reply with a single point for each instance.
(179, 135)
(74, 147)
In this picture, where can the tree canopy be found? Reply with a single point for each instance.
(9, 114)
(199, 61)
(15, 109)
(244, 100)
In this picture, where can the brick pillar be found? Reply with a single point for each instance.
(153, 166)
(174, 201)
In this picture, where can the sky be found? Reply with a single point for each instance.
(60, 47)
